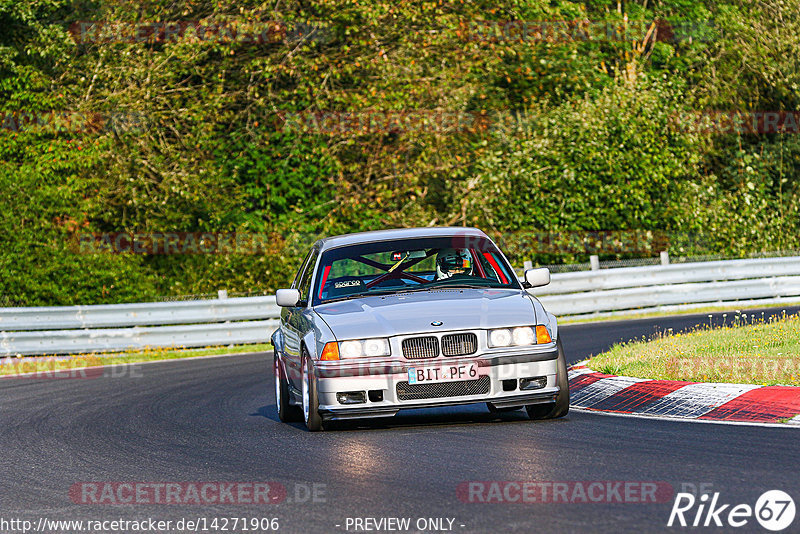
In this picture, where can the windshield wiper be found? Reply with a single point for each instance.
(459, 286)
(398, 291)
(394, 291)
(360, 295)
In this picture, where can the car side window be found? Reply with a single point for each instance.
(301, 270)
(305, 279)
(487, 267)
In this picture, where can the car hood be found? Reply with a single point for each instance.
(411, 313)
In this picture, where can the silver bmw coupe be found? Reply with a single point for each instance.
(381, 321)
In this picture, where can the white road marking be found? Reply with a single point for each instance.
(589, 395)
(578, 372)
(695, 400)
(682, 419)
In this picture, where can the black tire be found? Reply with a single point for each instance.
(560, 407)
(287, 412)
(312, 418)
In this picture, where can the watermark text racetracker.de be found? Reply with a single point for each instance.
(65, 368)
(233, 31)
(533, 32)
(751, 122)
(353, 368)
(202, 493)
(564, 492)
(172, 243)
(731, 366)
(71, 122)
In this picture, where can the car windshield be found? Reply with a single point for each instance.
(411, 265)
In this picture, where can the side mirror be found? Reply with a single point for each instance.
(287, 298)
(537, 277)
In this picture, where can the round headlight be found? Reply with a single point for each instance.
(376, 347)
(350, 349)
(524, 336)
(500, 338)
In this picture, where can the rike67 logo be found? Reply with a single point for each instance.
(774, 510)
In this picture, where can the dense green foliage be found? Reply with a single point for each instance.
(569, 134)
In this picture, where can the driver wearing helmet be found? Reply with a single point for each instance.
(453, 261)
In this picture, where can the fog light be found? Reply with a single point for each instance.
(351, 397)
(537, 382)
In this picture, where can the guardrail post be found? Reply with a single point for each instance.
(664, 257)
(527, 264)
(595, 262)
(222, 294)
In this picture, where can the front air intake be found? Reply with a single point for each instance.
(438, 390)
(459, 344)
(419, 348)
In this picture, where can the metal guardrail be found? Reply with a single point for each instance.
(679, 273)
(71, 329)
(117, 327)
(654, 287)
(140, 314)
(675, 294)
(118, 339)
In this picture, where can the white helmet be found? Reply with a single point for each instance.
(450, 261)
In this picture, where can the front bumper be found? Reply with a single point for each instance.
(390, 376)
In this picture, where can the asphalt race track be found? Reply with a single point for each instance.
(214, 420)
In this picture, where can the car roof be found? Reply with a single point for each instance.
(399, 233)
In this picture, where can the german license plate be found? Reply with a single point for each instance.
(445, 373)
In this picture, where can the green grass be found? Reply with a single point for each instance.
(629, 315)
(43, 364)
(749, 351)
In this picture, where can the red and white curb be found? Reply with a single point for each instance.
(590, 390)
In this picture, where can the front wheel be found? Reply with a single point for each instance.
(310, 399)
(286, 412)
(560, 407)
